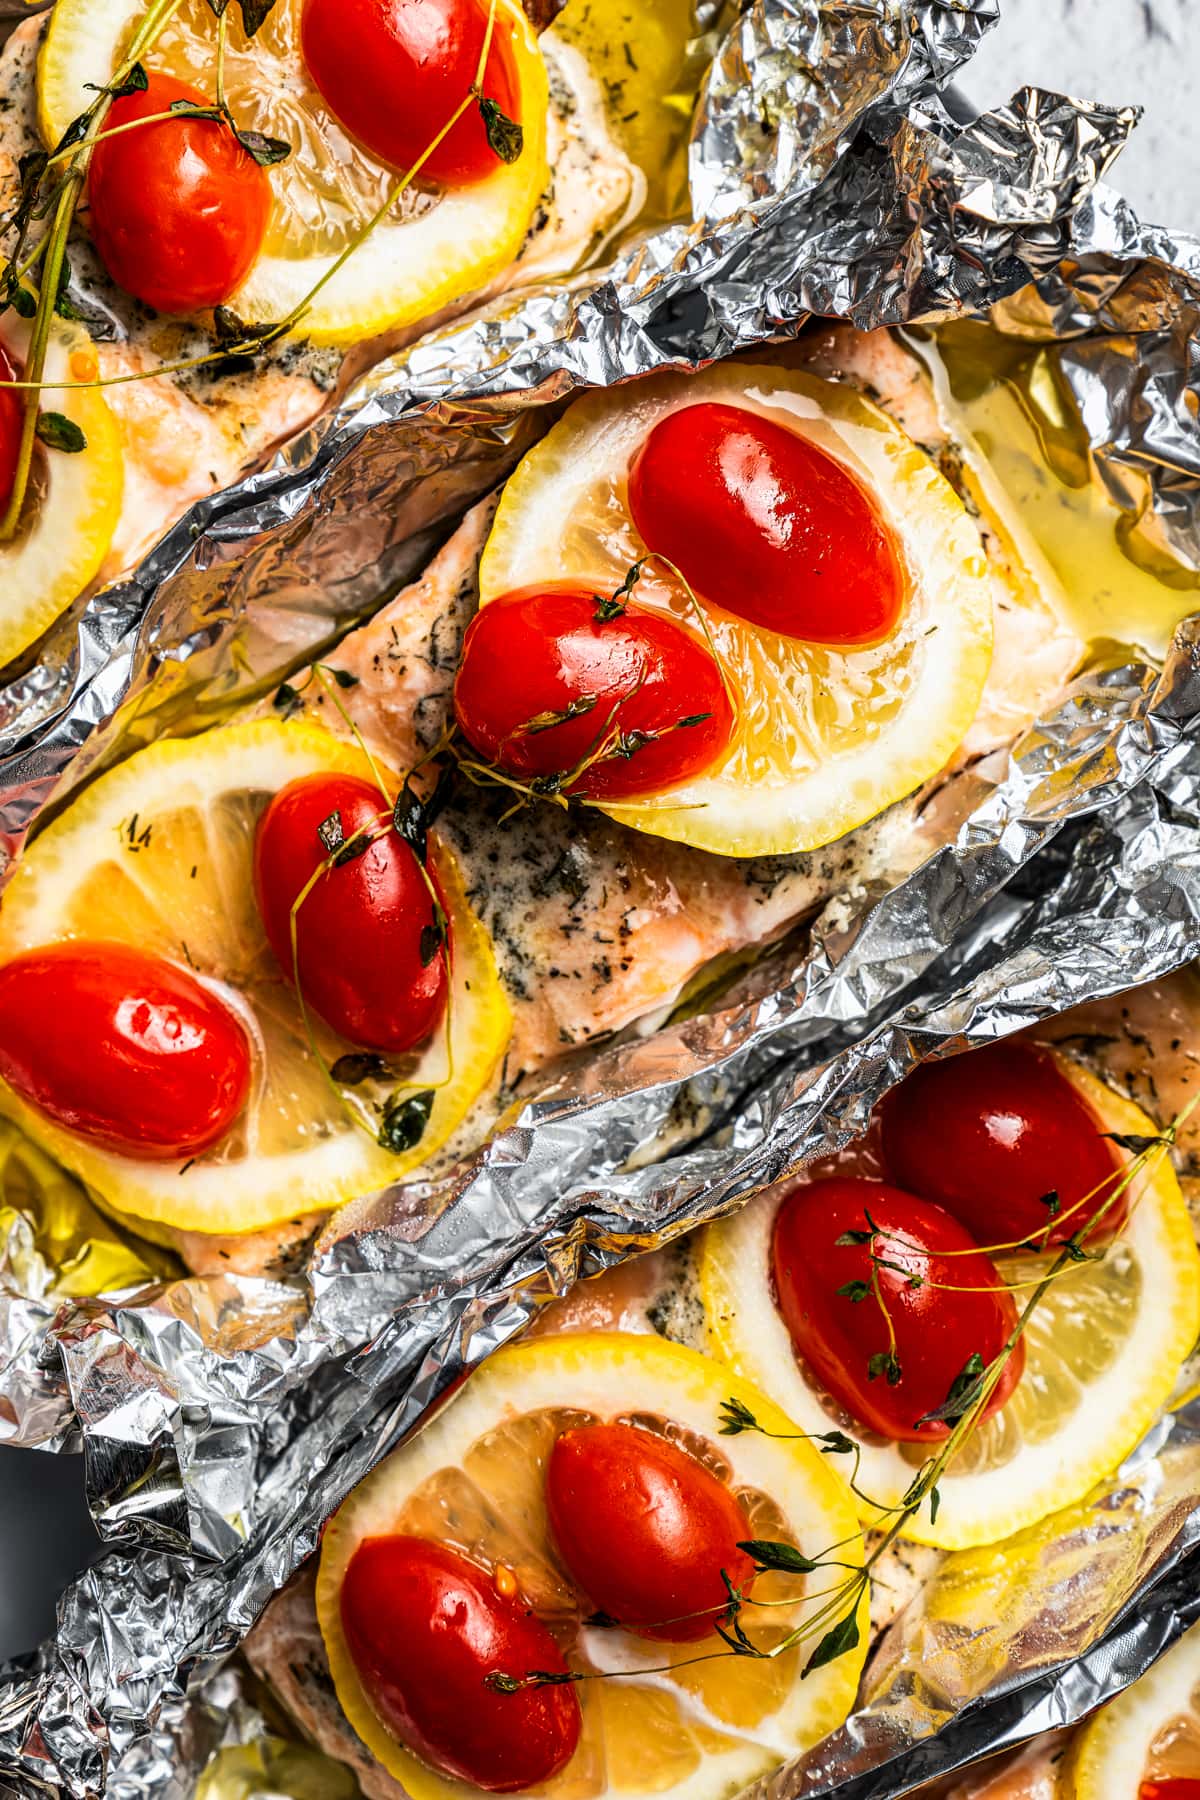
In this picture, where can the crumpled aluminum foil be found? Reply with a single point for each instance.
(218, 1421)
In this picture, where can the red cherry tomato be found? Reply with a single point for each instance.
(367, 963)
(937, 1332)
(765, 524)
(123, 1048)
(11, 414)
(989, 1134)
(540, 652)
(425, 1626)
(394, 71)
(645, 1530)
(178, 210)
(1171, 1787)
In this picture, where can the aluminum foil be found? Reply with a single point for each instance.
(222, 1421)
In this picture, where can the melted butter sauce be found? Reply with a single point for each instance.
(1006, 403)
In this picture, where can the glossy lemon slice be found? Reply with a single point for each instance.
(433, 249)
(159, 853)
(1151, 1732)
(477, 1472)
(827, 737)
(74, 500)
(1103, 1350)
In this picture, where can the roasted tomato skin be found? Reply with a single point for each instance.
(765, 524)
(179, 210)
(989, 1134)
(645, 1530)
(538, 651)
(393, 72)
(123, 1048)
(359, 928)
(11, 411)
(1171, 1787)
(936, 1331)
(425, 1626)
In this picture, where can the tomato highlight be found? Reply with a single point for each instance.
(123, 1048)
(368, 951)
(645, 1530)
(547, 682)
(179, 209)
(1000, 1138)
(11, 418)
(843, 1336)
(425, 1627)
(764, 523)
(394, 71)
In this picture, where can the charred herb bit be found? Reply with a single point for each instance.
(1137, 1142)
(965, 1389)
(57, 432)
(229, 329)
(404, 1121)
(254, 13)
(887, 1363)
(546, 721)
(344, 678)
(358, 1066)
(331, 833)
(286, 699)
(505, 137)
(134, 81)
(433, 937)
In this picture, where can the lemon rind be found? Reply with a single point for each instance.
(1110, 1754)
(617, 1371)
(60, 554)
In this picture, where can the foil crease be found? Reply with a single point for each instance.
(222, 1421)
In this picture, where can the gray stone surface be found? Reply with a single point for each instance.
(1119, 51)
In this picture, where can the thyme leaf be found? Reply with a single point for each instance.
(841, 1637)
(965, 1390)
(783, 1557)
(887, 1363)
(58, 432)
(505, 137)
(358, 1066)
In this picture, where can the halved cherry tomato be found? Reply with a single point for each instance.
(991, 1136)
(639, 691)
(393, 72)
(123, 1048)
(425, 1626)
(645, 1530)
(843, 1336)
(368, 956)
(1171, 1787)
(11, 413)
(178, 209)
(764, 523)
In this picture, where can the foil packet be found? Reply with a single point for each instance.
(222, 1421)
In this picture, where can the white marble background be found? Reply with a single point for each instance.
(1142, 51)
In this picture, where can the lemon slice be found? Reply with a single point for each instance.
(1103, 1349)
(159, 853)
(827, 737)
(476, 1473)
(436, 247)
(74, 499)
(1151, 1732)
